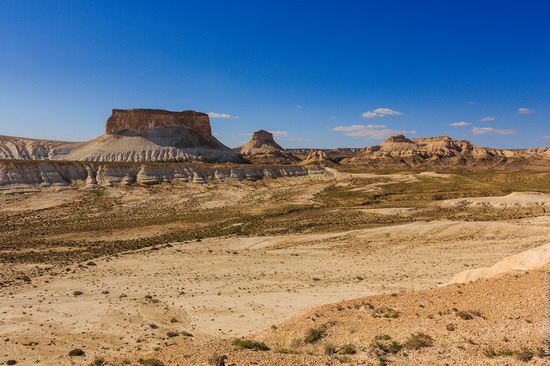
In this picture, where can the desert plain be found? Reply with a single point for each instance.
(336, 268)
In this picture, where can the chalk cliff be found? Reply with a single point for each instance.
(15, 174)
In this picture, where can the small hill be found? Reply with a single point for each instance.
(262, 148)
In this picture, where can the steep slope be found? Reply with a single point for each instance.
(262, 148)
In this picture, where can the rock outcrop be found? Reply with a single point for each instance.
(433, 152)
(262, 148)
(136, 135)
(318, 157)
(142, 120)
(14, 174)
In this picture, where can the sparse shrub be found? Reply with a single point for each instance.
(77, 293)
(348, 349)
(489, 352)
(172, 334)
(418, 340)
(451, 327)
(525, 355)
(386, 313)
(344, 359)
(11, 362)
(77, 352)
(98, 361)
(468, 315)
(150, 362)
(286, 351)
(248, 344)
(330, 349)
(382, 346)
(314, 335)
(217, 360)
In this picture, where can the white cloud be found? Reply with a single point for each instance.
(546, 137)
(470, 103)
(490, 130)
(296, 139)
(299, 107)
(381, 112)
(460, 124)
(279, 133)
(524, 110)
(221, 115)
(488, 119)
(369, 132)
(333, 117)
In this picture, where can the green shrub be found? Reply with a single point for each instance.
(314, 335)
(248, 344)
(348, 349)
(150, 362)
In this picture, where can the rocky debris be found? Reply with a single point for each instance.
(318, 157)
(262, 148)
(45, 173)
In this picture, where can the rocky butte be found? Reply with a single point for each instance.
(262, 148)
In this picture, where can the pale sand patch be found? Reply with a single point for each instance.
(236, 286)
(515, 199)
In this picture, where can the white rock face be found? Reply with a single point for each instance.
(46, 173)
(532, 259)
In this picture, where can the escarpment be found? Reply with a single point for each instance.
(15, 174)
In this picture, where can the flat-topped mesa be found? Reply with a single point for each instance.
(142, 120)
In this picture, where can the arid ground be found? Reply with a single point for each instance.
(342, 268)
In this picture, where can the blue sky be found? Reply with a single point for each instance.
(319, 73)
